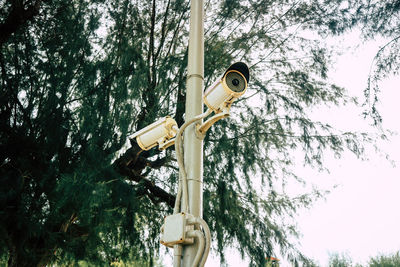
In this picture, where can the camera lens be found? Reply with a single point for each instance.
(235, 82)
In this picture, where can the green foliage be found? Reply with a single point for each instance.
(81, 76)
(392, 260)
(374, 19)
(344, 260)
(339, 260)
(116, 263)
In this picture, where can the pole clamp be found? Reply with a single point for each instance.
(195, 75)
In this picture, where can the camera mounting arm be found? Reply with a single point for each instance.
(201, 129)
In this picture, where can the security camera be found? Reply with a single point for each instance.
(157, 133)
(220, 95)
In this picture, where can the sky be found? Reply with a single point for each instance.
(360, 217)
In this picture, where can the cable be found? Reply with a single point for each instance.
(207, 233)
(200, 237)
(178, 198)
(182, 187)
(206, 229)
(183, 190)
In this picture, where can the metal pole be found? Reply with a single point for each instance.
(193, 147)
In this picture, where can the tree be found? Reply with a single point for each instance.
(78, 77)
(339, 260)
(374, 19)
(390, 260)
(343, 259)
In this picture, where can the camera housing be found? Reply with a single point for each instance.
(157, 133)
(221, 94)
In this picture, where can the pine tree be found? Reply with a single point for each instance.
(339, 260)
(78, 77)
(374, 19)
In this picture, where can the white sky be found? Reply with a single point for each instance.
(361, 216)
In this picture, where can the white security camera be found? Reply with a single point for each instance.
(157, 133)
(220, 95)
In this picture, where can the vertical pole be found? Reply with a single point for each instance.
(193, 147)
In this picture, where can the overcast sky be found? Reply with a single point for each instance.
(361, 216)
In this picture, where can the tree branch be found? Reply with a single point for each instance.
(17, 17)
(130, 165)
(163, 31)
